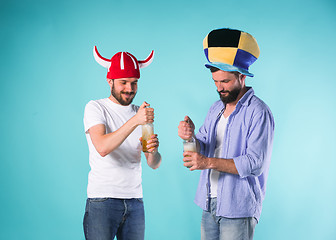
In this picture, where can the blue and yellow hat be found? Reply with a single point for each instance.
(231, 50)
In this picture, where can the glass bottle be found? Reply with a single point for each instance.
(147, 132)
(189, 145)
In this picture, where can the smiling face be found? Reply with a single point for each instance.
(123, 90)
(229, 85)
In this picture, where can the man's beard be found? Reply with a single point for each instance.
(231, 97)
(119, 98)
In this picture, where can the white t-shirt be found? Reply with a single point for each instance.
(214, 174)
(118, 174)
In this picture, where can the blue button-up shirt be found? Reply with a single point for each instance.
(248, 141)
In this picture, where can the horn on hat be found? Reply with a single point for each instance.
(106, 63)
(149, 60)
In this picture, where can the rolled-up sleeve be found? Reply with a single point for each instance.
(259, 146)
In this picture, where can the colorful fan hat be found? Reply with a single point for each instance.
(231, 50)
(122, 64)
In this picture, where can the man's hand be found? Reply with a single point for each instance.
(144, 114)
(153, 156)
(186, 128)
(152, 143)
(195, 161)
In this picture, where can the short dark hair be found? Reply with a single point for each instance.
(214, 69)
(236, 73)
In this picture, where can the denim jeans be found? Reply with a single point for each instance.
(220, 228)
(106, 218)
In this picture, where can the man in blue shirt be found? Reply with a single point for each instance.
(234, 143)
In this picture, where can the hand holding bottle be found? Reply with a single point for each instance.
(145, 114)
(186, 128)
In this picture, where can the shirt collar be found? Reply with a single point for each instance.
(245, 99)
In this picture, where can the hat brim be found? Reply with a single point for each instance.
(229, 68)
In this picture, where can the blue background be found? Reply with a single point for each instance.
(48, 74)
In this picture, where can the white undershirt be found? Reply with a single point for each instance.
(214, 174)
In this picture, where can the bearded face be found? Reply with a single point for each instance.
(229, 96)
(124, 90)
(229, 85)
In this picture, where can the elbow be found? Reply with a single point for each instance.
(102, 152)
(250, 166)
(155, 166)
(259, 167)
(257, 172)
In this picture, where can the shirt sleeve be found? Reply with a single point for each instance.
(259, 146)
(202, 138)
(93, 115)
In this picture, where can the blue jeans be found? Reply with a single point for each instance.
(106, 218)
(220, 228)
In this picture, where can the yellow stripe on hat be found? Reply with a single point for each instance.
(222, 54)
(205, 42)
(249, 44)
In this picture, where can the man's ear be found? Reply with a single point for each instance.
(242, 79)
(109, 81)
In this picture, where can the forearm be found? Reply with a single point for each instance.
(153, 159)
(106, 143)
(222, 165)
(219, 164)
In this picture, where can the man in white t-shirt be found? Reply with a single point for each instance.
(112, 126)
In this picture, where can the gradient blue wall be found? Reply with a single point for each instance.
(48, 74)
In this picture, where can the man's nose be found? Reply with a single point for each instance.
(219, 87)
(129, 87)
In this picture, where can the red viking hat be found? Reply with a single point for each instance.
(122, 64)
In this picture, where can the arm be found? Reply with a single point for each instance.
(153, 156)
(258, 151)
(153, 159)
(106, 143)
(186, 130)
(197, 161)
(187, 127)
